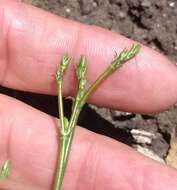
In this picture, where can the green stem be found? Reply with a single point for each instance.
(60, 105)
(63, 124)
(79, 102)
(98, 81)
(71, 127)
(72, 124)
(65, 147)
(65, 144)
(68, 128)
(68, 147)
(63, 139)
(61, 162)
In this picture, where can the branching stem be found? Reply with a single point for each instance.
(67, 128)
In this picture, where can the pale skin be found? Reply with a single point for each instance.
(31, 44)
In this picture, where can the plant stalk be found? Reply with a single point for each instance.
(61, 162)
(68, 127)
(63, 124)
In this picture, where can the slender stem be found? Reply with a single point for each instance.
(65, 144)
(61, 162)
(60, 105)
(75, 114)
(63, 139)
(99, 80)
(78, 103)
(68, 128)
(63, 125)
(77, 108)
(70, 138)
(68, 147)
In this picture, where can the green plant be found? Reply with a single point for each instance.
(5, 171)
(67, 127)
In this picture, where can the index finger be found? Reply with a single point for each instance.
(33, 41)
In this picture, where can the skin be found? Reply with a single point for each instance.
(32, 43)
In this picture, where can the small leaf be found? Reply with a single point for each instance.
(5, 171)
(66, 122)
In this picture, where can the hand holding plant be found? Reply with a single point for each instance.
(28, 136)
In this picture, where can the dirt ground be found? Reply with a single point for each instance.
(150, 22)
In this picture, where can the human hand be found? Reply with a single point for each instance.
(32, 43)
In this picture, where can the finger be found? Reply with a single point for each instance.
(13, 185)
(33, 41)
(29, 139)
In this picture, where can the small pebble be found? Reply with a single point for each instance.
(171, 4)
(68, 10)
(95, 4)
(164, 15)
(122, 14)
(158, 25)
(142, 137)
